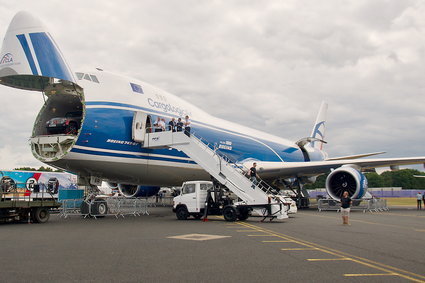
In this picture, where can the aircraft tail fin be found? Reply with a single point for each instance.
(319, 129)
(30, 57)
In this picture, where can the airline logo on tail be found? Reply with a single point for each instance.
(319, 128)
(317, 132)
(7, 59)
(44, 56)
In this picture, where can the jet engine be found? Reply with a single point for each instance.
(346, 179)
(135, 191)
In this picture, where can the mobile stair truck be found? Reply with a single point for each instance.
(26, 206)
(250, 197)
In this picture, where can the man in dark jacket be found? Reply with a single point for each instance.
(345, 207)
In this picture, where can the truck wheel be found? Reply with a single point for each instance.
(182, 213)
(99, 208)
(229, 213)
(40, 215)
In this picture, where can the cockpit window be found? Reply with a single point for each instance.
(94, 78)
(88, 77)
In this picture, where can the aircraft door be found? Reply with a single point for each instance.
(140, 120)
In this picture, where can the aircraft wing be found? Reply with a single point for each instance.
(269, 170)
(356, 156)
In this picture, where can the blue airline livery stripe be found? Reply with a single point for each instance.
(106, 103)
(117, 136)
(102, 153)
(25, 46)
(49, 57)
(317, 131)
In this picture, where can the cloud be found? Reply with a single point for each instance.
(267, 65)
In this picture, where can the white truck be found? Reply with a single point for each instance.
(201, 198)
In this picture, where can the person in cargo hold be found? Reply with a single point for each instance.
(67, 125)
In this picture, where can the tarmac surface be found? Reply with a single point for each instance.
(311, 246)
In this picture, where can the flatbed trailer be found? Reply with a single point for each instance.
(26, 208)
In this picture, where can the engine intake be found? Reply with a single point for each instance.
(346, 179)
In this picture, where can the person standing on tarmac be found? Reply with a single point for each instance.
(345, 208)
(419, 201)
(423, 198)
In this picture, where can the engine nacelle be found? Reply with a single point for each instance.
(135, 191)
(346, 179)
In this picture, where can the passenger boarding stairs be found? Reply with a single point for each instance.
(218, 166)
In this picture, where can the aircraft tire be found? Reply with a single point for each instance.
(99, 208)
(182, 213)
(229, 213)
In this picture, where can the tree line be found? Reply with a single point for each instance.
(41, 168)
(400, 178)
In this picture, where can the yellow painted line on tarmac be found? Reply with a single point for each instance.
(404, 215)
(420, 230)
(386, 269)
(298, 249)
(250, 230)
(329, 259)
(276, 241)
(361, 221)
(370, 274)
(261, 235)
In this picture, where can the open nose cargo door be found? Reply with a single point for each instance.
(30, 59)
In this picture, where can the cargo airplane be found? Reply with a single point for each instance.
(104, 118)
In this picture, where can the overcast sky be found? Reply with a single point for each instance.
(263, 64)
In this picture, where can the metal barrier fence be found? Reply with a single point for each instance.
(70, 207)
(158, 201)
(371, 205)
(114, 206)
(390, 192)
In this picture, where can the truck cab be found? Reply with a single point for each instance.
(191, 201)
